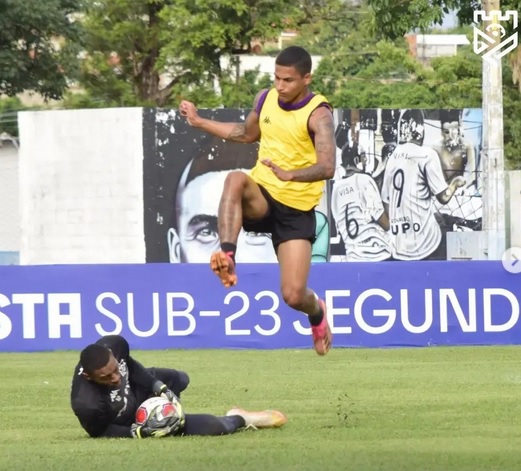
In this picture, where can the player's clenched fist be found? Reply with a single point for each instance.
(189, 111)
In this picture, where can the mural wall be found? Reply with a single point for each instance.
(385, 202)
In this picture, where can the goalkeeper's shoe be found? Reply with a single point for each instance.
(322, 336)
(261, 419)
(224, 267)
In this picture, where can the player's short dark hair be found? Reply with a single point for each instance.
(94, 357)
(295, 56)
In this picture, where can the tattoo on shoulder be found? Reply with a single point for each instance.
(325, 123)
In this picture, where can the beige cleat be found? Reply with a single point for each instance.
(261, 419)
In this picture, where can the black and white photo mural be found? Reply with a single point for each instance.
(403, 179)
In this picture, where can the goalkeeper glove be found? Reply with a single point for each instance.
(161, 389)
(156, 430)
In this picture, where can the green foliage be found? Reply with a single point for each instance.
(392, 19)
(9, 107)
(240, 93)
(364, 72)
(122, 48)
(374, 94)
(29, 57)
(512, 119)
(8, 115)
(131, 44)
(198, 33)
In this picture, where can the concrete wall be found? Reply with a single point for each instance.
(75, 191)
(9, 203)
(81, 186)
(514, 216)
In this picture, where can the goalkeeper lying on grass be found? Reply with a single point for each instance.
(109, 385)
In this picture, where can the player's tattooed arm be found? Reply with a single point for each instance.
(249, 131)
(246, 132)
(321, 124)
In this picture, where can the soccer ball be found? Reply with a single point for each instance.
(157, 412)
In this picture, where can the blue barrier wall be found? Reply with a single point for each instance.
(158, 306)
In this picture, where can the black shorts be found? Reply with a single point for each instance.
(283, 222)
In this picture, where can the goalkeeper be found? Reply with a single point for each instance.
(109, 385)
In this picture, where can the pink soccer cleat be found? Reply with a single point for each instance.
(322, 336)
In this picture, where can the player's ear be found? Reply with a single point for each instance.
(174, 246)
(307, 79)
(86, 376)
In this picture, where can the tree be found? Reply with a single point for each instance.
(394, 19)
(358, 70)
(39, 43)
(145, 52)
(122, 47)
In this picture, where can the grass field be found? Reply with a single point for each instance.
(401, 409)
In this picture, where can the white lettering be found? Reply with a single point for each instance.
(404, 305)
(449, 294)
(269, 312)
(186, 313)
(487, 309)
(389, 313)
(245, 306)
(337, 311)
(132, 317)
(6, 326)
(72, 317)
(28, 302)
(118, 324)
(301, 329)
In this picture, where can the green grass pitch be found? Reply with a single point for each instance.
(355, 409)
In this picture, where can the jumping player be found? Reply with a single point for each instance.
(295, 130)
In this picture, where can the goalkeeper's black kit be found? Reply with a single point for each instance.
(108, 412)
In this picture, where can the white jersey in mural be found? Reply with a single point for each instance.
(413, 175)
(356, 205)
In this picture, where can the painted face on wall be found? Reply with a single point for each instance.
(196, 237)
(451, 133)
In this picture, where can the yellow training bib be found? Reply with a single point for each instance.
(285, 140)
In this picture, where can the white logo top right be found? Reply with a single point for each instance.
(492, 41)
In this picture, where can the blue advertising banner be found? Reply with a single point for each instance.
(161, 306)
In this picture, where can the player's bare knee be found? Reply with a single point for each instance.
(294, 297)
(235, 182)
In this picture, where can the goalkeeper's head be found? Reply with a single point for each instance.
(100, 366)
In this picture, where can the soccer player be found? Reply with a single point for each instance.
(193, 235)
(359, 212)
(297, 148)
(109, 385)
(412, 176)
